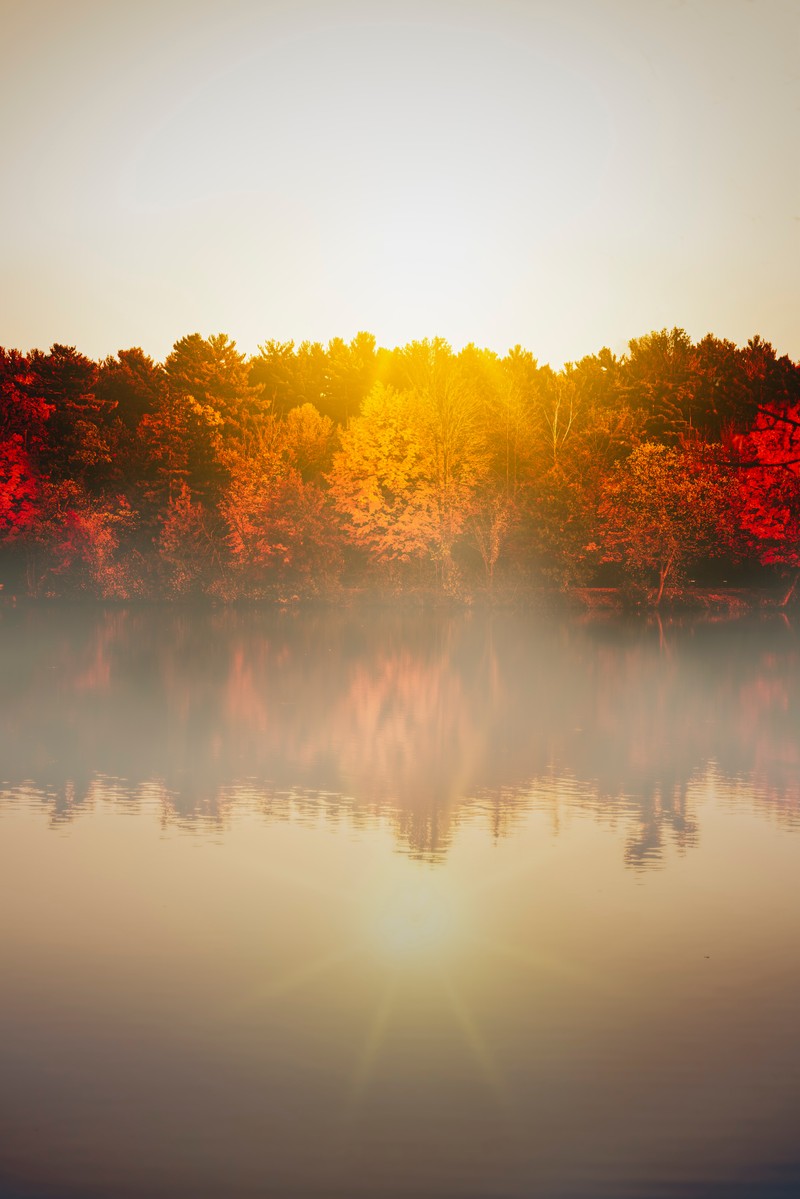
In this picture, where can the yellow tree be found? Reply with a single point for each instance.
(409, 465)
(495, 432)
(380, 479)
(453, 441)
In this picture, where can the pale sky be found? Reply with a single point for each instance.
(562, 175)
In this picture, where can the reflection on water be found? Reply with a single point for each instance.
(418, 720)
(221, 978)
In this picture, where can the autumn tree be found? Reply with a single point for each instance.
(452, 438)
(769, 482)
(279, 526)
(508, 393)
(664, 508)
(582, 428)
(409, 466)
(19, 491)
(381, 479)
(74, 543)
(189, 548)
(308, 441)
(24, 409)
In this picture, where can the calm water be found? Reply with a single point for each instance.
(381, 906)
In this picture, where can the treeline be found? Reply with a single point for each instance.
(308, 469)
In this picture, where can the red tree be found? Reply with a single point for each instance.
(770, 484)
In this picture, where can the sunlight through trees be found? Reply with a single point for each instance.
(317, 470)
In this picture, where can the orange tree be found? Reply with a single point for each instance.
(664, 508)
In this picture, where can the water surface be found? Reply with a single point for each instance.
(381, 905)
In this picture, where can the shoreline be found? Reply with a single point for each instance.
(598, 601)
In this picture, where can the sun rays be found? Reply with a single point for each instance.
(408, 966)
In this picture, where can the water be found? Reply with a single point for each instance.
(380, 905)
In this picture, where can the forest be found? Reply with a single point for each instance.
(349, 469)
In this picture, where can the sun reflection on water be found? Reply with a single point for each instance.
(414, 917)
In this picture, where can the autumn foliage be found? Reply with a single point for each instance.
(308, 469)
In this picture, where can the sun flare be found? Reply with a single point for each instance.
(413, 919)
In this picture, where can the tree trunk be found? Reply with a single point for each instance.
(792, 588)
(663, 574)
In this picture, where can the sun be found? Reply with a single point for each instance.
(414, 918)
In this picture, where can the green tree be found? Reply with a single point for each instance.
(209, 406)
(78, 445)
(657, 379)
(274, 372)
(131, 385)
(351, 372)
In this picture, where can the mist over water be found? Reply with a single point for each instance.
(385, 903)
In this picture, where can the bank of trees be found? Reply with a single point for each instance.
(309, 468)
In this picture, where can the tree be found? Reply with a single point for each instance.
(410, 466)
(24, 411)
(492, 515)
(657, 382)
(452, 438)
(274, 372)
(309, 441)
(351, 372)
(72, 543)
(77, 444)
(664, 507)
(187, 545)
(134, 389)
(209, 406)
(559, 525)
(381, 481)
(19, 489)
(278, 523)
(719, 396)
(211, 374)
(770, 487)
(132, 385)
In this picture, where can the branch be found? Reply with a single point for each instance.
(779, 416)
(756, 463)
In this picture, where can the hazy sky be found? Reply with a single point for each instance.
(563, 175)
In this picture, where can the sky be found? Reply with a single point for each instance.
(561, 175)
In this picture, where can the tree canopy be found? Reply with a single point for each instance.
(308, 468)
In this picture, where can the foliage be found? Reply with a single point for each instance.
(216, 474)
(277, 523)
(187, 546)
(664, 508)
(381, 481)
(19, 489)
(770, 484)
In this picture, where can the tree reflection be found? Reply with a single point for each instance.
(419, 720)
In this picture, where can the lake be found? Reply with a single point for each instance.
(376, 904)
